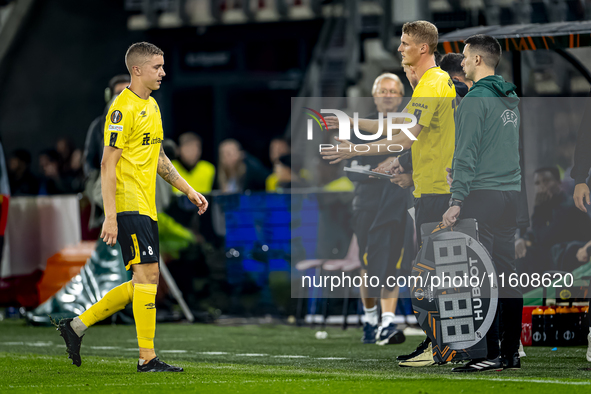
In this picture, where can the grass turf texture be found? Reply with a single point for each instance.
(257, 359)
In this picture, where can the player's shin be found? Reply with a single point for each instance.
(144, 312)
(114, 301)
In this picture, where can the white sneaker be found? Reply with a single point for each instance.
(521, 351)
(589, 347)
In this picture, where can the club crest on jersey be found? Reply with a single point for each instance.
(116, 116)
(509, 116)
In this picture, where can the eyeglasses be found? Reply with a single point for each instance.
(391, 91)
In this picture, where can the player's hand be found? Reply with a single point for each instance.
(403, 180)
(448, 177)
(450, 217)
(198, 199)
(345, 151)
(385, 167)
(333, 122)
(397, 168)
(581, 196)
(582, 255)
(109, 233)
(520, 248)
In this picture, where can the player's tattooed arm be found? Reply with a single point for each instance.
(166, 170)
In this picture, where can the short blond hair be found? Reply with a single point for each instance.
(139, 53)
(380, 78)
(422, 32)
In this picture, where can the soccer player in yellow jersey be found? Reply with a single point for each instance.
(433, 104)
(132, 157)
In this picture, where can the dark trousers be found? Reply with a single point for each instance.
(380, 246)
(496, 213)
(429, 208)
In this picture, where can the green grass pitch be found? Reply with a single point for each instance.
(260, 359)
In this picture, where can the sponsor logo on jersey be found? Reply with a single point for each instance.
(147, 141)
(420, 105)
(116, 116)
(151, 305)
(143, 113)
(115, 127)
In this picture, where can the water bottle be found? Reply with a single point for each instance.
(549, 327)
(537, 327)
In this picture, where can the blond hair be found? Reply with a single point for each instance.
(422, 32)
(139, 53)
(380, 78)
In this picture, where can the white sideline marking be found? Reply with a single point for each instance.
(288, 356)
(36, 344)
(331, 358)
(213, 353)
(172, 351)
(103, 347)
(252, 354)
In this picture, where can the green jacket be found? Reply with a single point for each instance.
(486, 156)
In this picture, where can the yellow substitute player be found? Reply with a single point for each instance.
(433, 104)
(132, 157)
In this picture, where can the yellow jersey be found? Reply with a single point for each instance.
(200, 178)
(135, 126)
(433, 102)
(271, 183)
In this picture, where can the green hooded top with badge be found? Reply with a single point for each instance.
(486, 156)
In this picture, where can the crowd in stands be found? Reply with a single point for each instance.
(64, 168)
(59, 171)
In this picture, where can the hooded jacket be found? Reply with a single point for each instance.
(487, 139)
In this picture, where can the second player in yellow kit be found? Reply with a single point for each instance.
(433, 103)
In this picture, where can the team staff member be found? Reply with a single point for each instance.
(132, 156)
(433, 103)
(486, 185)
(379, 219)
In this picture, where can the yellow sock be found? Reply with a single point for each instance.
(112, 302)
(144, 312)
